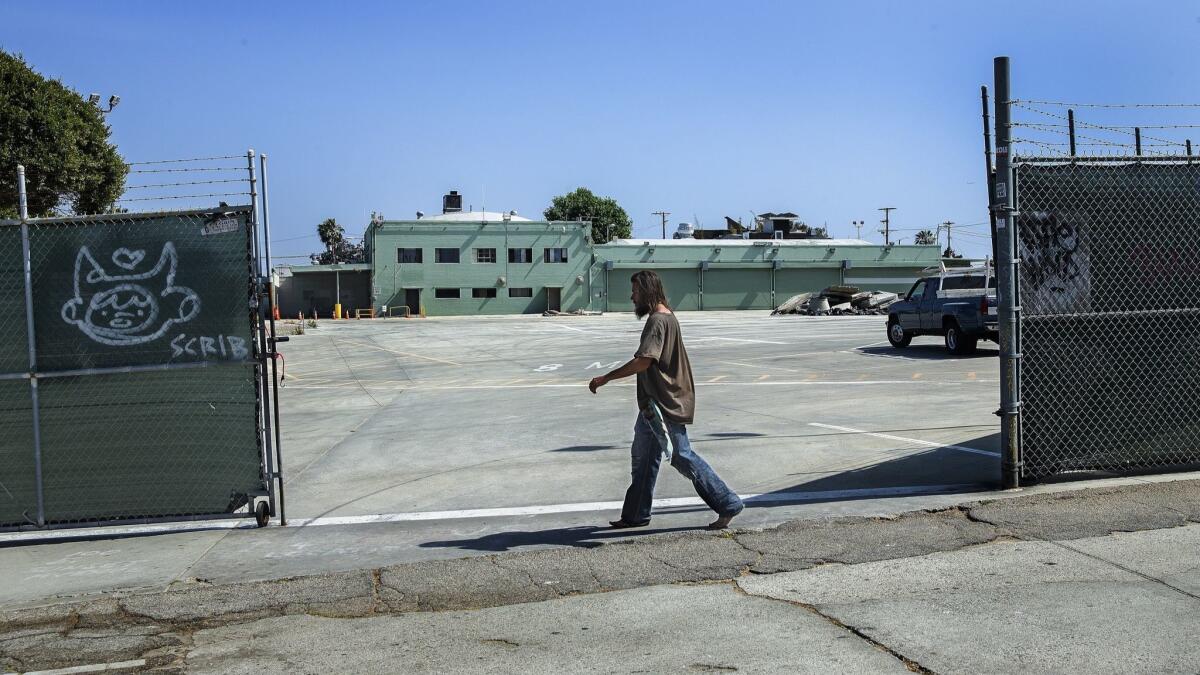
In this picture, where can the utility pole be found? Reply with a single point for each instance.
(664, 215)
(947, 225)
(886, 231)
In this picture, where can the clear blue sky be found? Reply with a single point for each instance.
(699, 108)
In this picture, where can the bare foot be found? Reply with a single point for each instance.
(720, 523)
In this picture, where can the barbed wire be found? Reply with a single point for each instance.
(1115, 126)
(199, 168)
(194, 182)
(1066, 104)
(1044, 146)
(1098, 143)
(1089, 125)
(177, 161)
(213, 194)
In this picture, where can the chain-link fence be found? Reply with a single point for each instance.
(133, 369)
(1096, 221)
(1110, 304)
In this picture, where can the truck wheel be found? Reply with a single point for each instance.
(957, 342)
(897, 335)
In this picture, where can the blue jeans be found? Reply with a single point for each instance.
(647, 454)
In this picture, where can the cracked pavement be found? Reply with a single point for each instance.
(1100, 579)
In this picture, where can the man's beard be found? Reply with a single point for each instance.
(641, 310)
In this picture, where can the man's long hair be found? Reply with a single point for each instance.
(650, 290)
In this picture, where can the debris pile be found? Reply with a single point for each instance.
(578, 312)
(838, 301)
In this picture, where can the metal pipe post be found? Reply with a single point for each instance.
(1137, 141)
(31, 344)
(1006, 269)
(989, 170)
(273, 344)
(1071, 129)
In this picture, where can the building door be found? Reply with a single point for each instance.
(412, 300)
(553, 299)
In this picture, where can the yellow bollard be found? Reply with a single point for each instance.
(337, 310)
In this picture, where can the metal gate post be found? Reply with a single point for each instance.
(273, 339)
(265, 404)
(32, 348)
(1006, 271)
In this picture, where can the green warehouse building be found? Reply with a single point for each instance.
(475, 262)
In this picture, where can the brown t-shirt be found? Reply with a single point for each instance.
(668, 380)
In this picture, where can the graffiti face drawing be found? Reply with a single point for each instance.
(128, 309)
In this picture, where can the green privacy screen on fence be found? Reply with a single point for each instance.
(147, 385)
(1110, 326)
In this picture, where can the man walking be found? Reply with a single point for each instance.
(666, 399)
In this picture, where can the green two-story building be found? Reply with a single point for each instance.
(476, 262)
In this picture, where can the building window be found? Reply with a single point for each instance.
(447, 293)
(483, 292)
(555, 255)
(408, 255)
(520, 292)
(485, 255)
(520, 255)
(445, 255)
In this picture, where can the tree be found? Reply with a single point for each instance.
(337, 248)
(609, 220)
(331, 234)
(61, 139)
(925, 238)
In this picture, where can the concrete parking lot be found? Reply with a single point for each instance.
(433, 438)
(493, 412)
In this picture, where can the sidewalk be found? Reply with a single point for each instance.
(1119, 603)
(1032, 582)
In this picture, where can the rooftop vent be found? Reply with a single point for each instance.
(452, 203)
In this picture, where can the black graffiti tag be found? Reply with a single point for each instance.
(1052, 253)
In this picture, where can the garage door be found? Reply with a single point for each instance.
(737, 289)
(682, 286)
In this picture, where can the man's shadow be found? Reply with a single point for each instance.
(585, 536)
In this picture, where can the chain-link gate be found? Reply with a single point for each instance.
(1099, 268)
(1110, 314)
(134, 356)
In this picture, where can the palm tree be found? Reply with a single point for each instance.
(925, 238)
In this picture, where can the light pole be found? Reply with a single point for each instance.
(858, 226)
(113, 100)
(886, 231)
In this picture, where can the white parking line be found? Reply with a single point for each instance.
(581, 383)
(729, 339)
(902, 439)
(769, 497)
(754, 498)
(93, 668)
